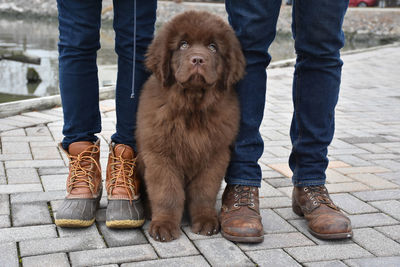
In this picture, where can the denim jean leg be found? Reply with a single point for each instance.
(255, 25)
(79, 25)
(318, 35)
(126, 106)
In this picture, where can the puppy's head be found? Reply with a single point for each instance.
(196, 50)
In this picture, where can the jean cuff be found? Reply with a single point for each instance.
(243, 181)
(308, 182)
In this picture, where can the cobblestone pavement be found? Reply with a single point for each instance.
(363, 177)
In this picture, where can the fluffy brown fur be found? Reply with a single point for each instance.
(188, 117)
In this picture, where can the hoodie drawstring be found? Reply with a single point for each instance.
(134, 50)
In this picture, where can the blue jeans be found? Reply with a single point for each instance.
(79, 26)
(317, 31)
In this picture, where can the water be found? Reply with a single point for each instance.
(39, 38)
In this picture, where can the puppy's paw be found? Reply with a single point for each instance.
(205, 225)
(164, 231)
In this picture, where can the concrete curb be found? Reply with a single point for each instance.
(34, 104)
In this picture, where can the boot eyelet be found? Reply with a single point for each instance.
(235, 205)
(305, 189)
(252, 205)
(314, 203)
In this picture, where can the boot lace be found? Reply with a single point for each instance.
(319, 194)
(244, 196)
(122, 175)
(84, 173)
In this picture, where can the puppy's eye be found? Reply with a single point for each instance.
(212, 47)
(184, 45)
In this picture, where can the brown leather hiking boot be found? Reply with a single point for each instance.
(125, 208)
(84, 186)
(325, 220)
(240, 215)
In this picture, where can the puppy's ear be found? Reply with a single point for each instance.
(158, 57)
(235, 60)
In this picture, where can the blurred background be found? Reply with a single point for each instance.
(29, 36)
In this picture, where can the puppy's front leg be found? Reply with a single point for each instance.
(202, 195)
(166, 195)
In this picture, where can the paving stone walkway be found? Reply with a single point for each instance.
(363, 177)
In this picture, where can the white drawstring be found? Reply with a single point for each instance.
(134, 50)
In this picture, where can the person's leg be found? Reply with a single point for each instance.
(79, 25)
(125, 209)
(126, 106)
(317, 31)
(255, 25)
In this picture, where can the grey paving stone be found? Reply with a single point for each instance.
(37, 131)
(53, 171)
(333, 176)
(122, 237)
(36, 213)
(8, 254)
(17, 188)
(273, 223)
(16, 234)
(391, 231)
(15, 147)
(375, 242)
(351, 205)
(371, 220)
(46, 153)
(360, 140)
(378, 195)
(353, 160)
(267, 190)
(4, 204)
(275, 202)
(193, 236)
(278, 241)
(54, 182)
(23, 176)
(50, 260)
(273, 257)
(5, 221)
(78, 232)
(3, 179)
(346, 187)
(61, 244)
(325, 264)
(15, 132)
(176, 248)
(35, 163)
(26, 138)
(112, 255)
(194, 261)
(221, 252)
(390, 207)
(287, 213)
(2, 172)
(11, 157)
(374, 262)
(279, 182)
(28, 197)
(327, 252)
(373, 181)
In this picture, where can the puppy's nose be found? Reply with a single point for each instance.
(197, 60)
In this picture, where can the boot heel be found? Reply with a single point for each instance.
(296, 209)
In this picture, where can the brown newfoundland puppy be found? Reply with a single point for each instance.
(188, 117)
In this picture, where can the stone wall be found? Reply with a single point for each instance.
(358, 20)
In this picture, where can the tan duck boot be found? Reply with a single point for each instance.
(84, 185)
(325, 220)
(125, 208)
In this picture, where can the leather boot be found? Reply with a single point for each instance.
(84, 185)
(240, 215)
(325, 220)
(125, 208)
